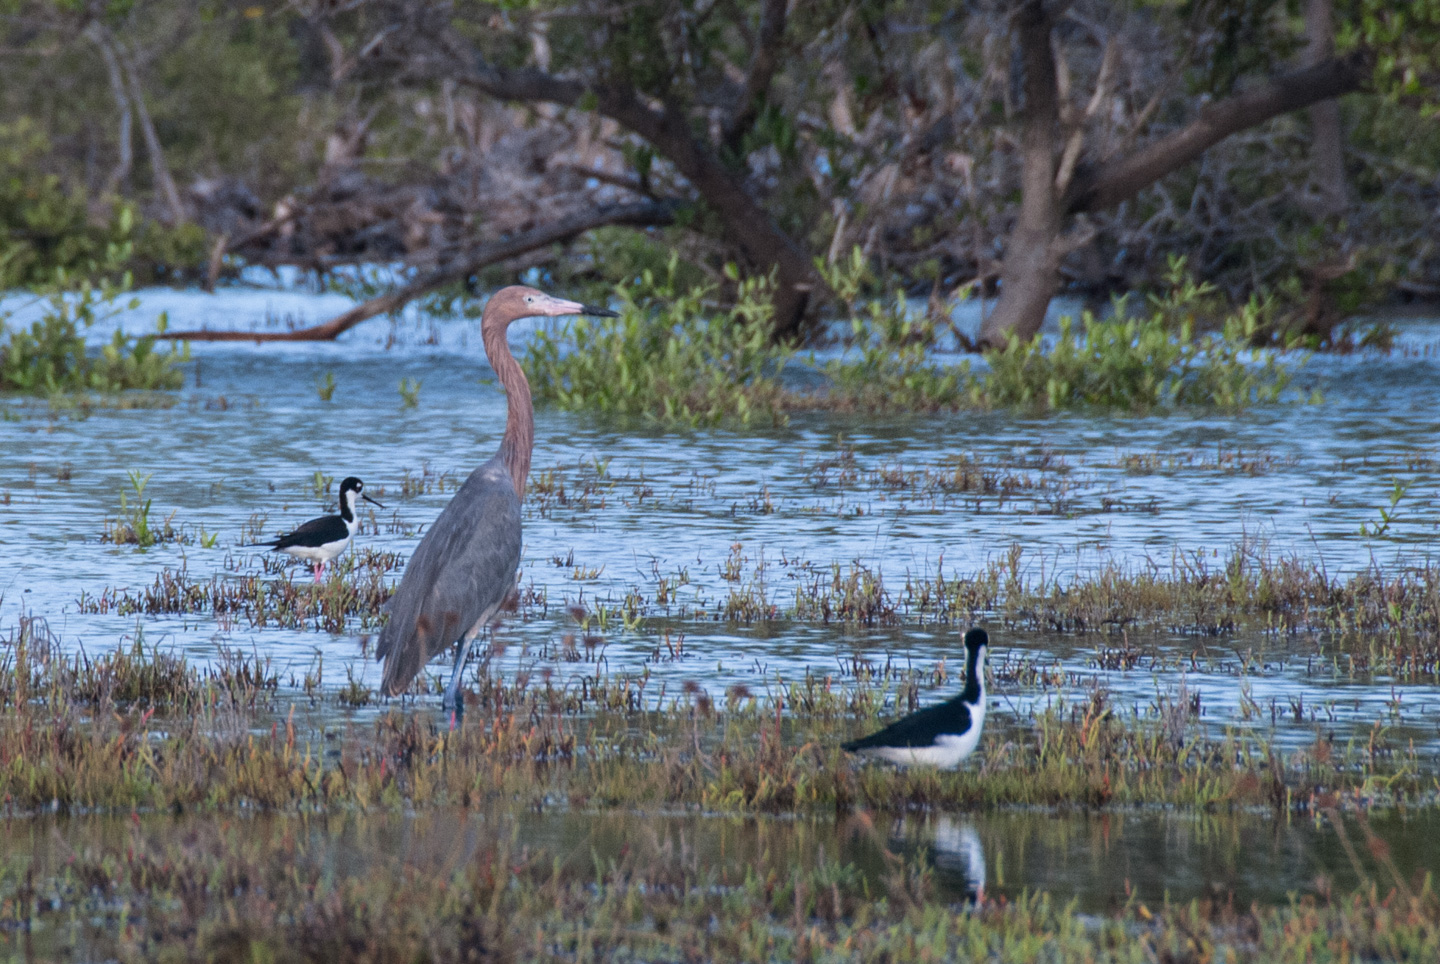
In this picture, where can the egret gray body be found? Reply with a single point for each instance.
(465, 566)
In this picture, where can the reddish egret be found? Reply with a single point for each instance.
(320, 540)
(940, 735)
(465, 567)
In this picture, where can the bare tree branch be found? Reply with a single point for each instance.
(648, 214)
(1077, 136)
(668, 130)
(159, 172)
(762, 70)
(1097, 189)
(125, 138)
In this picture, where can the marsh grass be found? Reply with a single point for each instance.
(1371, 621)
(193, 760)
(226, 893)
(154, 738)
(354, 590)
(1365, 622)
(34, 670)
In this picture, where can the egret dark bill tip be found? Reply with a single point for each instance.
(601, 312)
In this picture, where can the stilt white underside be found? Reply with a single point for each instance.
(318, 553)
(947, 751)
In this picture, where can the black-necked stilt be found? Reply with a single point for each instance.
(940, 735)
(320, 540)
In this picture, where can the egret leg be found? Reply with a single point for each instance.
(452, 691)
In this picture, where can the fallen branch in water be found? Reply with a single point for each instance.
(646, 214)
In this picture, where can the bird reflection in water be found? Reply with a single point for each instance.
(954, 846)
(958, 851)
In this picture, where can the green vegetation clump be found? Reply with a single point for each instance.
(889, 367)
(1138, 364)
(673, 358)
(668, 357)
(63, 253)
(50, 358)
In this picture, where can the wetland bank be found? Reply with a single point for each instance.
(1213, 686)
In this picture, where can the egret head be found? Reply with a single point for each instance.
(520, 301)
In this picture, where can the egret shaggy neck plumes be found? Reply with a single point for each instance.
(464, 569)
(942, 735)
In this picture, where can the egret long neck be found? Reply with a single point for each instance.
(519, 440)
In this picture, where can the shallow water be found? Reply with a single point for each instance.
(249, 434)
(1100, 862)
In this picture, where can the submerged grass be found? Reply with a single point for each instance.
(226, 893)
(1370, 621)
(34, 671)
(350, 597)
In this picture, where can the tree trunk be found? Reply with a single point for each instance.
(1031, 270)
(668, 130)
(1035, 248)
(1327, 151)
(159, 171)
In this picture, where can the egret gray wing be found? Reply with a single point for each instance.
(463, 569)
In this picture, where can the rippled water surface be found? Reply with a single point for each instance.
(614, 507)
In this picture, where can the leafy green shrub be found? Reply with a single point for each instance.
(50, 245)
(46, 227)
(670, 356)
(49, 358)
(892, 368)
(1140, 364)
